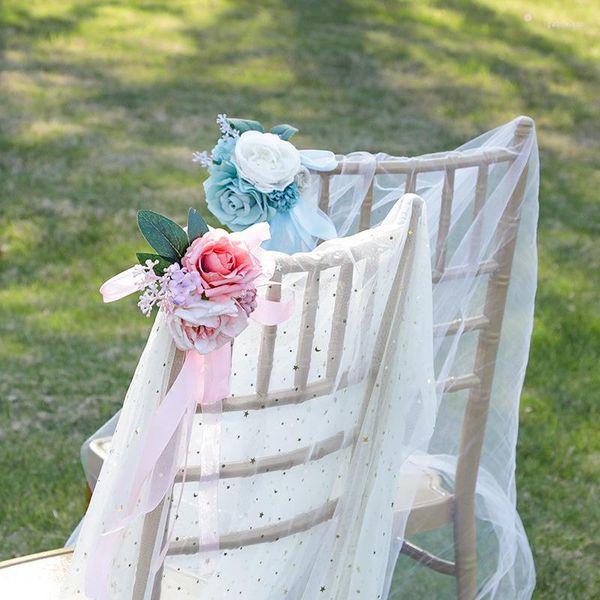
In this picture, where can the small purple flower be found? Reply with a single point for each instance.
(175, 288)
(247, 300)
(182, 285)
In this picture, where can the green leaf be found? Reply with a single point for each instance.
(163, 262)
(197, 226)
(284, 131)
(165, 236)
(243, 125)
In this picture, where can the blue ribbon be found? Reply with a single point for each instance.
(298, 229)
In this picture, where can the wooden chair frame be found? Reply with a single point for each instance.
(457, 507)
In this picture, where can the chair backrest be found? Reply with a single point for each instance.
(311, 369)
(496, 268)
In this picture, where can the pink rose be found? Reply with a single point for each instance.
(226, 266)
(214, 298)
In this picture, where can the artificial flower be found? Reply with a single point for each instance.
(257, 177)
(283, 200)
(226, 267)
(266, 161)
(205, 285)
(223, 149)
(235, 202)
(207, 325)
(302, 179)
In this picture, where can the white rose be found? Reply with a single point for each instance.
(266, 161)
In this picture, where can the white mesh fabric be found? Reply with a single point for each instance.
(346, 432)
(505, 564)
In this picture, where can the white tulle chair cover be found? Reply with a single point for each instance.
(465, 205)
(324, 411)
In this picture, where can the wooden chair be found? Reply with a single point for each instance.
(267, 393)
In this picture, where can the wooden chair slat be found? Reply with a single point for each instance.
(444, 222)
(277, 462)
(263, 535)
(307, 331)
(340, 316)
(267, 344)
(365, 209)
(433, 162)
(464, 325)
(324, 193)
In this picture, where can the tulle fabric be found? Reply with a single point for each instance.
(505, 563)
(378, 405)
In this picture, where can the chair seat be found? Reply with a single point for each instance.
(35, 577)
(97, 452)
(433, 504)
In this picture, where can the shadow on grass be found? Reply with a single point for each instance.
(98, 120)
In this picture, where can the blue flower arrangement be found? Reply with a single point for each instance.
(257, 176)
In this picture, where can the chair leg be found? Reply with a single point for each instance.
(152, 523)
(465, 550)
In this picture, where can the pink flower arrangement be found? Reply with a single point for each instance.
(204, 280)
(227, 270)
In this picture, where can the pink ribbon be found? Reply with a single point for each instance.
(203, 380)
(122, 284)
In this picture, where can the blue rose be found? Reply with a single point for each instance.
(233, 201)
(224, 149)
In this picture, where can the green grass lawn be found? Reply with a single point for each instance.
(101, 105)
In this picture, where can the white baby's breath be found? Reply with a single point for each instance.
(204, 159)
(226, 129)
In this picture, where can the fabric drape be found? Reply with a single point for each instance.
(505, 563)
(342, 432)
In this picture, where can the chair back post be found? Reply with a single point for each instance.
(477, 406)
(155, 521)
